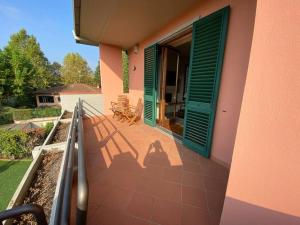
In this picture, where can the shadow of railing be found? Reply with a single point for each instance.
(112, 133)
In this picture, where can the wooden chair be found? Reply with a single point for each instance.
(134, 113)
(118, 108)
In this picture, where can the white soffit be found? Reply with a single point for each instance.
(124, 23)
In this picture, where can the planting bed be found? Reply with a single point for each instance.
(61, 133)
(43, 186)
(67, 115)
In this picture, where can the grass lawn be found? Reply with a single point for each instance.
(11, 173)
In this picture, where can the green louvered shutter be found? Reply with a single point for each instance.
(209, 35)
(150, 74)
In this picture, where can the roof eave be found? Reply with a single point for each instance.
(76, 31)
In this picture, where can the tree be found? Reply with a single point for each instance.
(55, 69)
(6, 77)
(75, 69)
(23, 68)
(97, 76)
(26, 45)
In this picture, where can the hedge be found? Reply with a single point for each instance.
(25, 114)
(6, 118)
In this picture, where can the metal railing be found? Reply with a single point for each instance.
(63, 203)
(36, 210)
(82, 187)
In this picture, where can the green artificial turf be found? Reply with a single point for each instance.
(11, 173)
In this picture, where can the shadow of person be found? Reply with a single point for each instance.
(156, 155)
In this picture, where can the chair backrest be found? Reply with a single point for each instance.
(123, 102)
(139, 108)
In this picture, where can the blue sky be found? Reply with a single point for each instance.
(50, 21)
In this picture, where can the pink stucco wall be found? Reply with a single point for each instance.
(234, 70)
(264, 182)
(111, 74)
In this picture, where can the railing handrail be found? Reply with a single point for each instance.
(63, 203)
(82, 188)
(67, 193)
(60, 196)
(64, 199)
(17, 211)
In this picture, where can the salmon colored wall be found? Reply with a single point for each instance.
(234, 70)
(111, 74)
(264, 182)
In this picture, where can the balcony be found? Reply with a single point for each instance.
(140, 175)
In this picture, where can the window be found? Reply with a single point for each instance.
(58, 99)
(46, 99)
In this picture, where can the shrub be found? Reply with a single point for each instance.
(48, 127)
(6, 118)
(25, 114)
(13, 144)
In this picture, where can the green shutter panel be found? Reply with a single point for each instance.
(209, 35)
(150, 75)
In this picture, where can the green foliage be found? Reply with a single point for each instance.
(23, 69)
(55, 69)
(6, 118)
(48, 127)
(13, 144)
(25, 114)
(97, 76)
(75, 69)
(125, 72)
(6, 115)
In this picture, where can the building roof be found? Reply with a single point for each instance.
(70, 89)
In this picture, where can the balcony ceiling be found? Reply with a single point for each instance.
(124, 23)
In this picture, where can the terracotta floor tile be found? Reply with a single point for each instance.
(130, 220)
(134, 177)
(215, 217)
(215, 184)
(192, 179)
(166, 213)
(215, 200)
(150, 186)
(153, 159)
(123, 179)
(192, 167)
(98, 192)
(194, 216)
(172, 175)
(141, 206)
(106, 216)
(194, 196)
(117, 198)
(213, 169)
(170, 191)
(152, 171)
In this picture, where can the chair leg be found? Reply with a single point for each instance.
(132, 121)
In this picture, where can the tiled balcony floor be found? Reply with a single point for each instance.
(140, 176)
